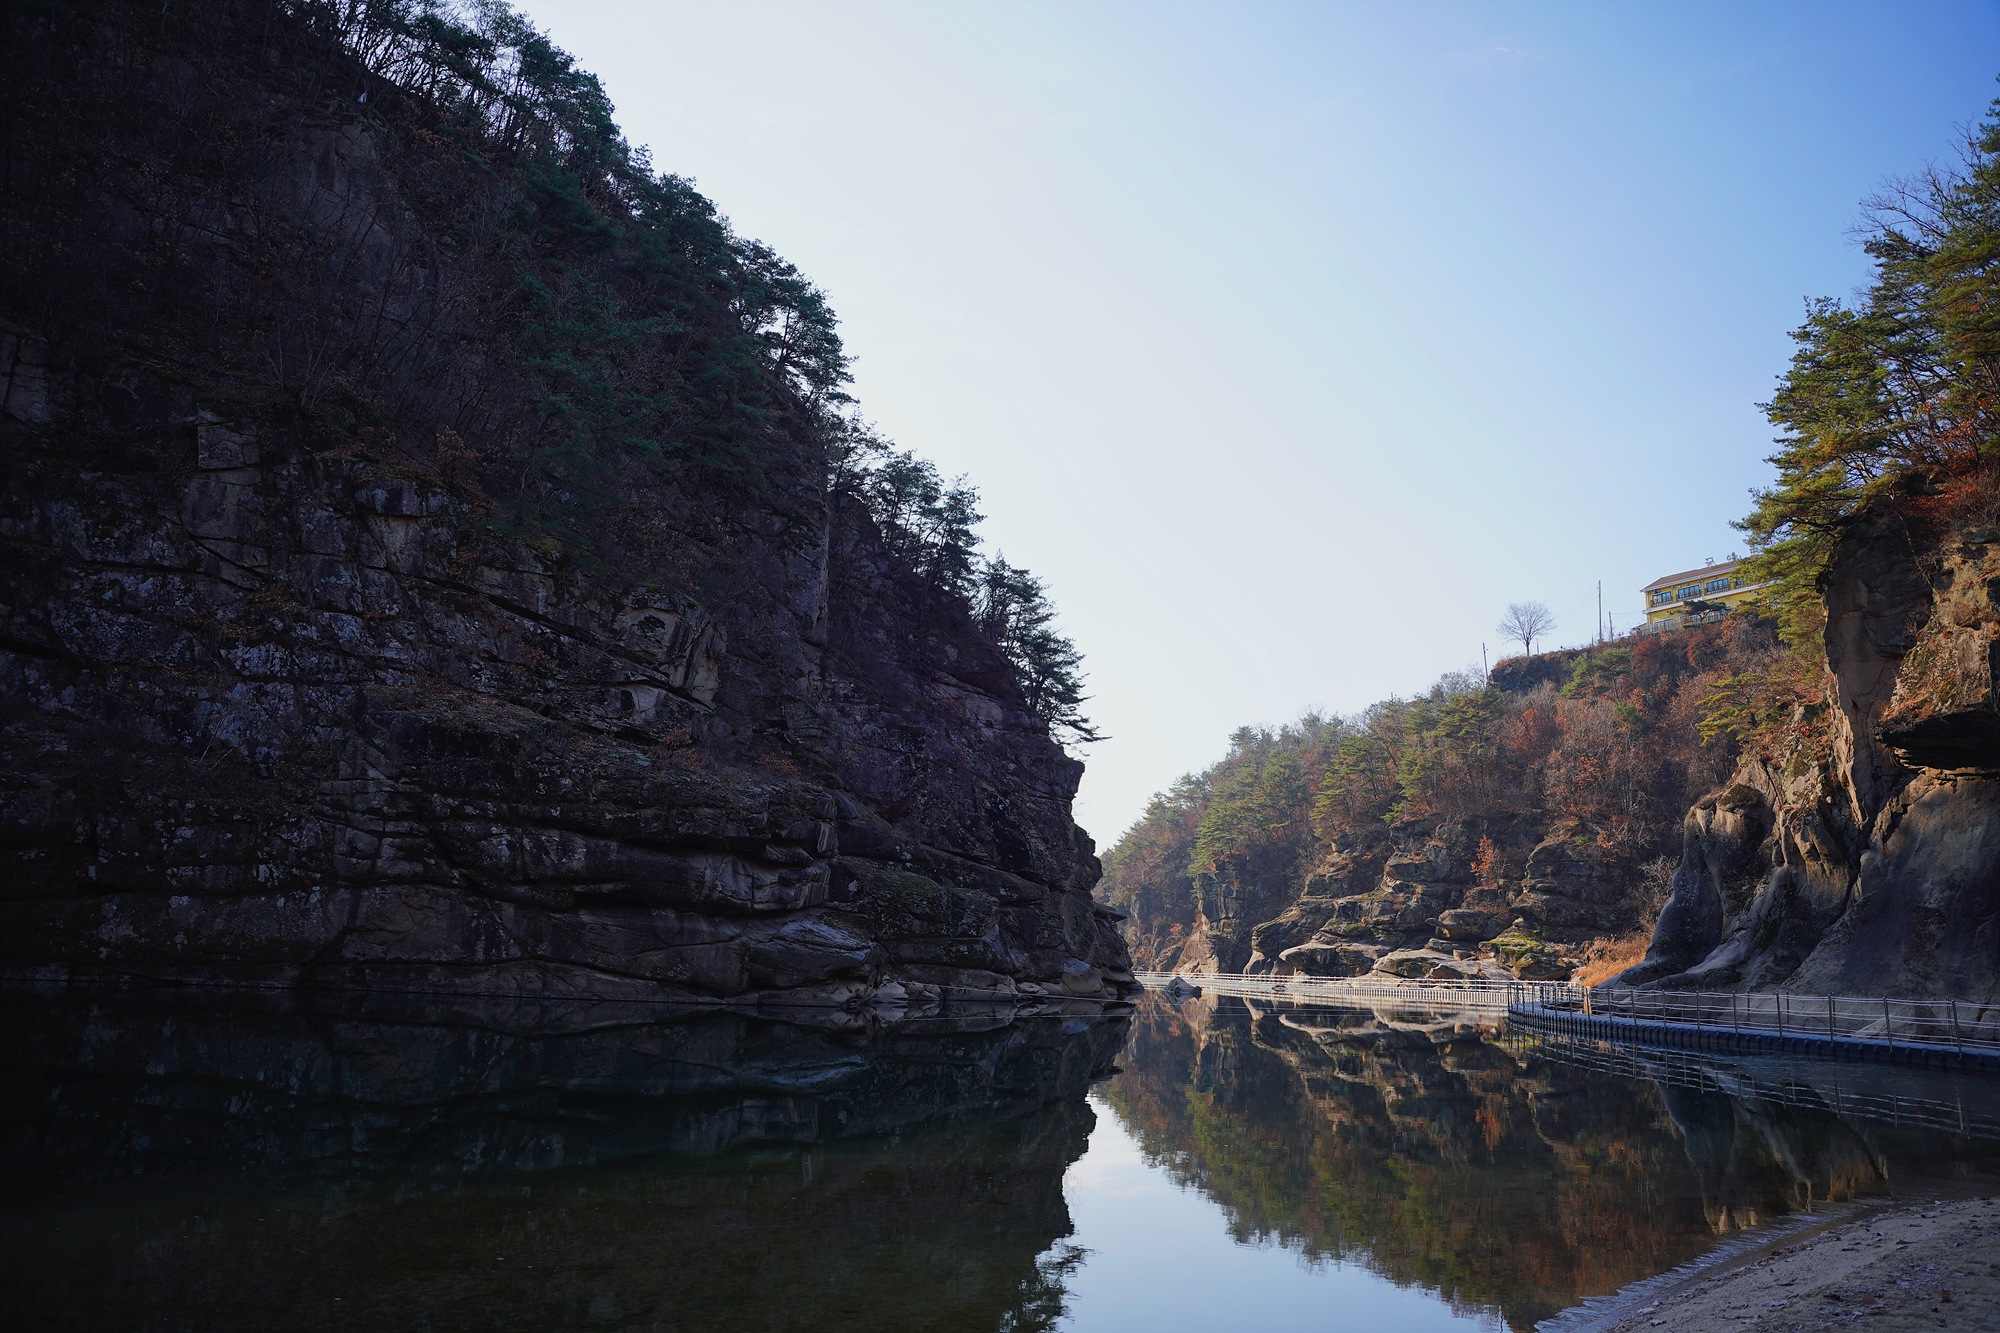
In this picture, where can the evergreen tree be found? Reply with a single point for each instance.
(1899, 396)
(1012, 607)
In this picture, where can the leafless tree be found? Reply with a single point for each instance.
(1527, 621)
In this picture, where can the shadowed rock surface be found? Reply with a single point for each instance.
(313, 673)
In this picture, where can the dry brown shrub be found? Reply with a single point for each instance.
(1605, 958)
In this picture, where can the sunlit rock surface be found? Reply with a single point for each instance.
(1866, 861)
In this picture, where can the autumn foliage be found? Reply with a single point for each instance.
(1610, 736)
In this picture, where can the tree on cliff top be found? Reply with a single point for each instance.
(927, 524)
(1894, 401)
(1526, 621)
(1012, 607)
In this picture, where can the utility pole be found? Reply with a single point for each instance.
(1600, 610)
(1485, 674)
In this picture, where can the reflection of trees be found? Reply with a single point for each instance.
(1417, 1149)
(461, 1170)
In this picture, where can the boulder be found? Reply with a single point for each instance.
(1419, 964)
(1529, 958)
(1473, 924)
(1080, 978)
(1339, 958)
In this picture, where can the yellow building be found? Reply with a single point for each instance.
(1713, 587)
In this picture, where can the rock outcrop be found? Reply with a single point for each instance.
(292, 700)
(1864, 859)
(1419, 902)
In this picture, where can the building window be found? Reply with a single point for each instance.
(1716, 585)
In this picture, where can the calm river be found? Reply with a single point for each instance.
(205, 1162)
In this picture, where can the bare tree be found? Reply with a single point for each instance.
(1527, 621)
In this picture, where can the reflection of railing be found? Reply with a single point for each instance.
(1468, 993)
(1940, 1031)
(1952, 1032)
(1837, 1088)
(1666, 623)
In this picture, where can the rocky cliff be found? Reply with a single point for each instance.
(1861, 854)
(1434, 896)
(355, 632)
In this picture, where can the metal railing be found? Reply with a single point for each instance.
(1963, 1025)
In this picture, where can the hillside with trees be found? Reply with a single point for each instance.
(1601, 744)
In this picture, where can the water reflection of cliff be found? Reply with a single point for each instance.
(1489, 1172)
(191, 1166)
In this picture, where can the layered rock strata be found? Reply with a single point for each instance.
(296, 694)
(1423, 900)
(280, 718)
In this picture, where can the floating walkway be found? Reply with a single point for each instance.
(1942, 1034)
(1950, 1034)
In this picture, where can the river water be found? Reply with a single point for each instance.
(223, 1162)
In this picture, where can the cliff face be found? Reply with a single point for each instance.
(1517, 896)
(289, 699)
(1419, 901)
(1864, 857)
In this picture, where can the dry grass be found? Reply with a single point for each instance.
(1605, 958)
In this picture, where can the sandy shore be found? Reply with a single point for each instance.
(1923, 1267)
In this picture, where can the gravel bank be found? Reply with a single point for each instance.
(1924, 1267)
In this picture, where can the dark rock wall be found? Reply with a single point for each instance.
(285, 702)
(1871, 867)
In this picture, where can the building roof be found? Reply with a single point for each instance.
(1715, 570)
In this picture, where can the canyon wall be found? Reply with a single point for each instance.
(299, 689)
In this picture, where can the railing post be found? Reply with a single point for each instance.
(1829, 1018)
(1888, 1021)
(1958, 1040)
(1778, 1002)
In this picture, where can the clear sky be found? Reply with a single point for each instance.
(1290, 342)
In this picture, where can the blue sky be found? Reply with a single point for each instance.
(1291, 342)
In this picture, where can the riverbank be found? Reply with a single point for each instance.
(1925, 1266)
